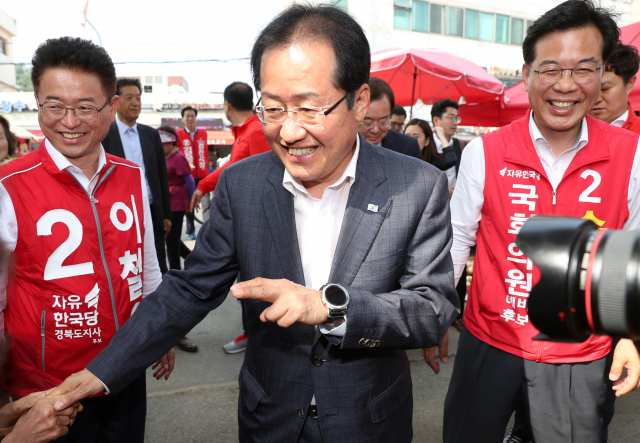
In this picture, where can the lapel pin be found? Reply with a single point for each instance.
(372, 208)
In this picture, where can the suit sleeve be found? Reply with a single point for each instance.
(181, 301)
(418, 314)
(414, 149)
(162, 176)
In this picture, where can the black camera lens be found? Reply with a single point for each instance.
(590, 279)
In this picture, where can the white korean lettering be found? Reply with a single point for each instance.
(128, 216)
(524, 198)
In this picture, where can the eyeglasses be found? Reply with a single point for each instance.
(453, 118)
(380, 123)
(396, 126)
(309, 116)
(84, 113)
(581, 74)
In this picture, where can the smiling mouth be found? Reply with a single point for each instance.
(71, 135)
(562, 105)
(301, 152)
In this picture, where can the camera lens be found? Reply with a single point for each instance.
(590, 279)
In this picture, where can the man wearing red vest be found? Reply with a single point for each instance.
(249, 140)
(193, 144)
(553, 161)
(83, 247)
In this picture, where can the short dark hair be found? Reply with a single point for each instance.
(430, 151)
(315, 23)
(75, 54)
(170, 130)
(573, 14)
(12, 140)
(624, 62)
(440, 107)
(188, 108)
(239, 95)
(125, 81)
(399, 110)
(380, 88)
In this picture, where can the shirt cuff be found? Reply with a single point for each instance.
(335, 331)
(106, 389)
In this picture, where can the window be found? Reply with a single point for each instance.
(456, 16)
(436, 22)
(502, 28)
(486, 26)
(471, 24)
(340, 4)
(3, 46)
(158, 80)
(402, 14)
(148, 79)
(516, 31)
(420, 13)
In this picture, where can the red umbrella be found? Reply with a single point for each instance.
(630, 35)
(431, 75)
(497, 112)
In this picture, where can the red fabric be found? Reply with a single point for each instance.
(177, 167)
(516, 187)
(633, 121)
(431, 75)
(196, 151)
(249, 140)
(42, 286)
(497, 112)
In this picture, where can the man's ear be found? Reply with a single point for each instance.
(436, 121)
(113, 107)
(362, 100)
(525, 77)
(630, 84)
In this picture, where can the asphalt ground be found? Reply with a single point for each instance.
(199, 401)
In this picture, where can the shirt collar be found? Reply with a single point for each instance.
(582, 140)
(620, 121)
(189, 132)
(63, 162)
(122, 128)
(294, 186)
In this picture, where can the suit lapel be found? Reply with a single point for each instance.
(146, 146)
(360, 225)
(116, 148)
(277, 204)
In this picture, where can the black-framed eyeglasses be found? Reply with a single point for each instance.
(581, 74)
(84, 113)
(309, 115)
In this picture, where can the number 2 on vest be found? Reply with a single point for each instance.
(586, 195)
(54, 268)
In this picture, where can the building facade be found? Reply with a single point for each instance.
(8, 30)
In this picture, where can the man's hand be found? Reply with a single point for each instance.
(167, 226)
(165, 365)
(42, 423)
(76, 387)
(625, 356)
(195, 200)
(291, 302)
(11, 412)
(429, 355)
(439, 132)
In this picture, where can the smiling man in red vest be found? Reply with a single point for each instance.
(553, 161)
(78, 223)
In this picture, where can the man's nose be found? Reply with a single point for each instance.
(70, 120)
(566, 82)
(291, 131)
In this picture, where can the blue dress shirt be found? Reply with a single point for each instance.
(132, 149)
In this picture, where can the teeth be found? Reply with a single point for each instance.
(69, 135)
(562, 104)
(303, 151)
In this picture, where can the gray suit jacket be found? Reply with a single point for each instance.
(395, 263)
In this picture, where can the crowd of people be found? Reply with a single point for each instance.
(343, 229)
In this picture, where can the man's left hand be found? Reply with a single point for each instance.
(165, 365)
(625, 356)
(167, 227)
(291, 302)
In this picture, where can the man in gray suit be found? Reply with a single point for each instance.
(343, 249)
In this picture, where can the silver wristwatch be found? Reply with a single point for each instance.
(336, 299)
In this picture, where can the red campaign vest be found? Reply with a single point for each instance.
(74, 268)
(595, 186)
(197, 152)
(633, 121)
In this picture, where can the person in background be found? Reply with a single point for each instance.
(141, 144)
(193, 144)
(398, 116)
(444, 115)
(8, 141)
(375, 127)
(212, 166)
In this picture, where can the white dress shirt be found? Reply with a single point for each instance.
(318, 223)
(133, 150)
(9, 227)
(621, 120)
(451, 172)
(466, 204)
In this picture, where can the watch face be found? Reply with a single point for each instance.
(335, 296)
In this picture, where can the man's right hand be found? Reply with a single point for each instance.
(77, 387)
(439, 132)
(429, 355)
(195, 200)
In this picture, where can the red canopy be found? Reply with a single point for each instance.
(630, 35)
(431, 75)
